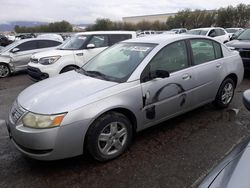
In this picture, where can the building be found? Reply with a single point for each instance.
(149, 18)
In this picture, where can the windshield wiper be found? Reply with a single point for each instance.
(95, 74)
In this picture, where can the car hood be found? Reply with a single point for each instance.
(63, 93)
(54, 52)
(239, 43)
(233, 171)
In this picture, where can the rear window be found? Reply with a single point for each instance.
(119, 37)
(47, 43)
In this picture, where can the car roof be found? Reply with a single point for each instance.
(207, 28)
(105, 32)
(163, 39)
(33, 39)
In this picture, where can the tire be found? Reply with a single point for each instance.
(109, 136)
(4, 70)
(225, 93)
(68, 68)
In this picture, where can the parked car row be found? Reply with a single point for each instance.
(72, 54)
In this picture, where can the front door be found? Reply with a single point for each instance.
(166, 97)
(100, 43)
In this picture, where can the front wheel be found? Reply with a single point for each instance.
(109, 136)
(225, 93)
(4, 70)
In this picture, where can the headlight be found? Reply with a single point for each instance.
(48, 60)
(42, 121)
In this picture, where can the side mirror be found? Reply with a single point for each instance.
(90, 46)
(14, 50)
(246, 99)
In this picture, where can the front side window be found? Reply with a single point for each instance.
(30, 45)
(203, 51)
(74, 43)
(171, 58)
(118, 62)
(99, 41)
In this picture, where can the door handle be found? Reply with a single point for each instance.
(186, 76)
(218, 66)
(79, 54)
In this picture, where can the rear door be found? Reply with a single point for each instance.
(207, 65)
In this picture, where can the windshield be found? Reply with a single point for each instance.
(9, 47)
(245, 35)
(198, 32)
(118, 62)
(74, 43)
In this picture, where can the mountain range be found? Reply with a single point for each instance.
(9, 26)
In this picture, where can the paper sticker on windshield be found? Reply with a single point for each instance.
(139, 48)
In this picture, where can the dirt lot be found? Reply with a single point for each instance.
(176, 153)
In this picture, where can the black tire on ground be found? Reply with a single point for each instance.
(68, 68)
(225, 93)
(103, 143)
(4, 70)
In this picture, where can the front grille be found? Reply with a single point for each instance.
(33, 60)
(16, 112)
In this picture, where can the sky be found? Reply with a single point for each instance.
(83, 11)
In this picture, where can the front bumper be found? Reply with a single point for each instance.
(36, 73)
(246, 63)
(49, 144)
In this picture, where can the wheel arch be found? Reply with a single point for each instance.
(71, 65)
(234, 77)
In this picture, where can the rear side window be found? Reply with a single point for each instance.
(30, 45)
(119, 37)
(205, 51)
(218, 50)
(47, 43)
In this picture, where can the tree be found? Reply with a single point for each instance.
(62, 26)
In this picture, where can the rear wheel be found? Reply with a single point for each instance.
(225, 93)
(68, 68)
(109, 136)
(4, 70)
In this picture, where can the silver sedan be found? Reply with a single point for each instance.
(128, 87)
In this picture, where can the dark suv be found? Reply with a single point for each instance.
(242, 44)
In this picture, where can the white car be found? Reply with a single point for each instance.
(51, 36)
(217, 33)
(74, 53)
